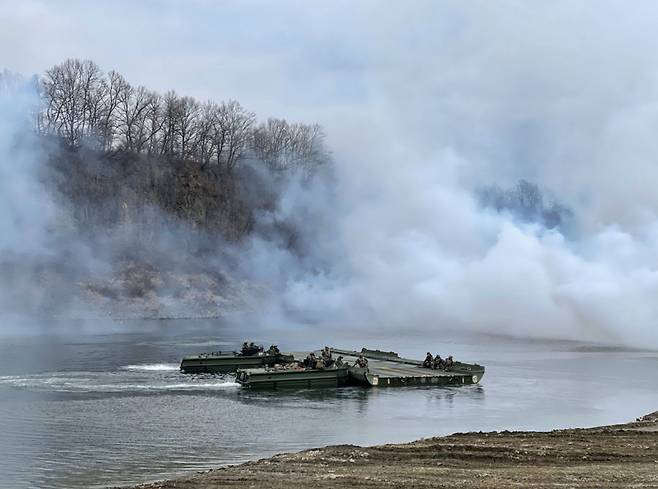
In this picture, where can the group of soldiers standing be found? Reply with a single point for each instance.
(313, 361)
(438, 363)
(249, 349)
(326, 360)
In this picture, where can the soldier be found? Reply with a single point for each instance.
(274, 350)
(448, 363)
(245, 348)
(326, 357)
(438, 363)
(339, 362)
(429, 361)
(310, 360)
(361, 362)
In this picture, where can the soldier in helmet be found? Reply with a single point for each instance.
(438, 363)
(245, 348)
(310, 361)
(449, 363)
(361, 362)
(326, 357)
(429, 361)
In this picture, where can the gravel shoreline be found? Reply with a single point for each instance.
(618, 456)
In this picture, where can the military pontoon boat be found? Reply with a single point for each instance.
(385, 369)
(228, 362)
(292, 377)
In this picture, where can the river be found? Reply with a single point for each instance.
(93, 410)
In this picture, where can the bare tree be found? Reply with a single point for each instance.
(204, 149)
(155, 122)
(270, 142)
(306, 146)
(169, 128)
(74, 97)
(283, 146)
(113, 87)
(235, 125)
(133, 107)
(81, 104)
(186, 116)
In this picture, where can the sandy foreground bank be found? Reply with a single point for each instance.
(619, 456)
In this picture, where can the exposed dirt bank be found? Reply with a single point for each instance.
(619, 456)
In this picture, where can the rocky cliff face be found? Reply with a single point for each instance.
(136, 236)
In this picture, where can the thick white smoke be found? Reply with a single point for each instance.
(28, 214)
(423, 104)
(27, 211)
(408, 249)
(414, 251)
(470, 95)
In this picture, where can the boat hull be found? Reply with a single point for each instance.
(421, 378)
(388, 369)
(264, 378)
(222, 364)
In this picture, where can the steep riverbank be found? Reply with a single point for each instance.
(611, 456)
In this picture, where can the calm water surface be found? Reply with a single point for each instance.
(102, 410)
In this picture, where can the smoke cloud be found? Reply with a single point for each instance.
(424, 105)
(27, 211)
(411, 250)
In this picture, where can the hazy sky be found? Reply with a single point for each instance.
(283, 57)
(521, 89)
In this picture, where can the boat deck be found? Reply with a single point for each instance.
(385, 369)
(402, 371)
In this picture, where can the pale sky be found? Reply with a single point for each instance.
(518, 89)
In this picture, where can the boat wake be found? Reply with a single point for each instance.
(144, 378)
(152, 367)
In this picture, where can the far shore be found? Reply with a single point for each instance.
(617, 456)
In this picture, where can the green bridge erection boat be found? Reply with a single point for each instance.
(228, 362)
(385, 369)
(293, 377)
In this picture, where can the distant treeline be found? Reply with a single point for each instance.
(525, 202)
(121, 154)
(87, 107)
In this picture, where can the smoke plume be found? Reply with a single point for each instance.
(396, 237)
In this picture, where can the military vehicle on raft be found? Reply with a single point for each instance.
(384, 369)
(251, 356)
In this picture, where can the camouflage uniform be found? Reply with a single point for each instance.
(361, 362)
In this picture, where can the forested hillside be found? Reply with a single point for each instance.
(154, 194)
(86, 107)
(119, 150)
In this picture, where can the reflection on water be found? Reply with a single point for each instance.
(116, 410)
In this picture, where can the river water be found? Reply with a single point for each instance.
(113, 409)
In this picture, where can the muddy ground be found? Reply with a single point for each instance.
(620, 456)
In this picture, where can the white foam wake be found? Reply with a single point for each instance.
(152, 367)
(107, 382)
